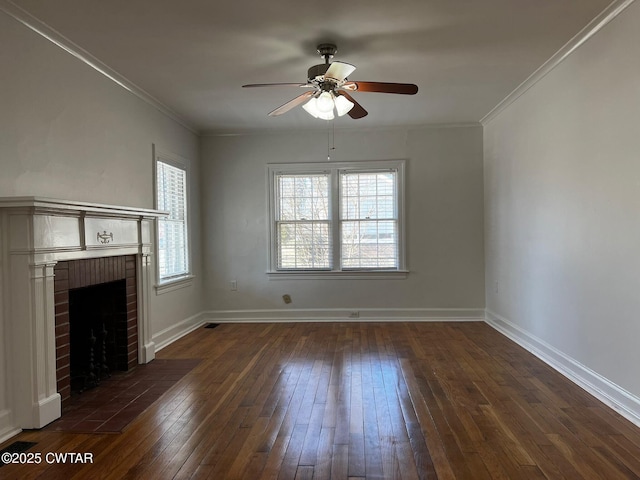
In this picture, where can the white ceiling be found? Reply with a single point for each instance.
(194, 55)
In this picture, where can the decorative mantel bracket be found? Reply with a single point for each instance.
(36, 234)
(105, 237)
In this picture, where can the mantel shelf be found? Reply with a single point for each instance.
(69, 207)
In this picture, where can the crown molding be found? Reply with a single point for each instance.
(593, 27)
(55, 37)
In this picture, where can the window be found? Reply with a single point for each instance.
(173, 243)
(369, 220)
(302, 222)
(336, 218)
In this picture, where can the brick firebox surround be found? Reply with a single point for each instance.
(85, 273)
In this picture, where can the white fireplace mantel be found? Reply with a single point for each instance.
(35, 234)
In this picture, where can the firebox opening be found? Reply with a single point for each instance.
(98, 333)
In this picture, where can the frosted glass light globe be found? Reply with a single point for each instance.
(325, 102)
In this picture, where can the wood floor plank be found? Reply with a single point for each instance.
(428, 426)
(372, 450)
(322, 470)
(340, 462)
(355, 400)
(309, 453)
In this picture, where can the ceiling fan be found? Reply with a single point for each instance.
(329, 89)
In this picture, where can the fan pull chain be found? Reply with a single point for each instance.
(331, 139)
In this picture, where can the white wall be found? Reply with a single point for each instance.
(562, 210)
(444, 220)
(68, 132)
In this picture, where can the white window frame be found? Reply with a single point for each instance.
(334, 169)
(167, 284)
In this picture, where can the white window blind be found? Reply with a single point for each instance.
(369, 221)
(173, 255)
(302, 222)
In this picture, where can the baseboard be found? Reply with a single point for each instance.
(179, 330)
(7, 429)
(9, 433)
(46, 411)
(622, 401)
(347, 315)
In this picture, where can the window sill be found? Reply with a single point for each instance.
(174, 284)
(341, 275)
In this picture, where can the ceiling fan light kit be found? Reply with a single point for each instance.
(323, 105)
(311, 107)
(330, 89)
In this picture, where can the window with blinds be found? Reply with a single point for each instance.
(369, 220)
(302, 221)
(336, 217)
(171, 196)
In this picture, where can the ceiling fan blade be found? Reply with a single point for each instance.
(339, 71)
(253, 85)
(357, 111)
(291, 104)
(381, 87)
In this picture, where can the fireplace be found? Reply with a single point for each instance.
(96, 316)
(48, 249)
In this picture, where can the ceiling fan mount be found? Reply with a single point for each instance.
(327, 51)
(317, 72)
(329, 89)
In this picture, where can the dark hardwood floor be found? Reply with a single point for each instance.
(356, 400)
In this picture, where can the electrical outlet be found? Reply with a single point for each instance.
(233, 285)
(354, 314)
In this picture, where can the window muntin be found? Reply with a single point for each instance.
(340, 217)
(171, 196)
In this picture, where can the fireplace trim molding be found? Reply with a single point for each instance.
(36, 233)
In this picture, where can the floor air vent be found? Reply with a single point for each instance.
(16, 447)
